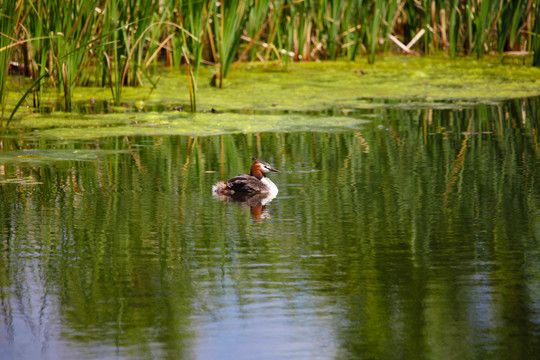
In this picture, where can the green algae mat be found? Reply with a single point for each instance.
(318, 96)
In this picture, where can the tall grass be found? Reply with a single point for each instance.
(9, 29)
(115, 43)
(535, 36)
(195, 22)
(110, 55)
(66, 51)
(230, 18)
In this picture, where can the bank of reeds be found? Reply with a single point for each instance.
(112, 43)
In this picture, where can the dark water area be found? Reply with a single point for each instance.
(413, 236)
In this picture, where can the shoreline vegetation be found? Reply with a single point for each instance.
(112, 44)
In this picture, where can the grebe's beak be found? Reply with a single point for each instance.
(272, 169)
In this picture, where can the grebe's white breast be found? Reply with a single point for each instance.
(270, 186)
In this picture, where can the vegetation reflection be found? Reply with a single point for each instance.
(412, 232)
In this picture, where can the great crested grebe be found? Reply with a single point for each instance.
(255, 182)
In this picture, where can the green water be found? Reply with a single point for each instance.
(413, 234)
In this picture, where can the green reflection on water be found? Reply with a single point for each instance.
(416, 234)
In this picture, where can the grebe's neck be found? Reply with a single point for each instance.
(256, 171)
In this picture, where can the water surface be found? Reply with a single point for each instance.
(413, 235)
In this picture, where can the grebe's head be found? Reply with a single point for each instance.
(260, 168)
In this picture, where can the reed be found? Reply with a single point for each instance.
(230, 18)
(111, 55)
(195, 22)
(302, 16)
(272, 37)
(333, 22)
(257, 23)
(72, 30)
(507, 27)
(534, 34)
(8, 37)
(141, 38)
(486, 10)
(115, 43)
(453, 31)
(377, 14)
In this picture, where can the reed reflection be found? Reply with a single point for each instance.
(118, 247)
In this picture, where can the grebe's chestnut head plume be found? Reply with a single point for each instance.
(260, 168)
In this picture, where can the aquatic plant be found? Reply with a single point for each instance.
(195, 21)
(535, 38)
(8, 37)
(72, 31)
(229, 21)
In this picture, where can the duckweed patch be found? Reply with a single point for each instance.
(258, 98)
(48, 156)
(170, 123)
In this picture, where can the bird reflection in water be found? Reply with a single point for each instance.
(256, 202)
